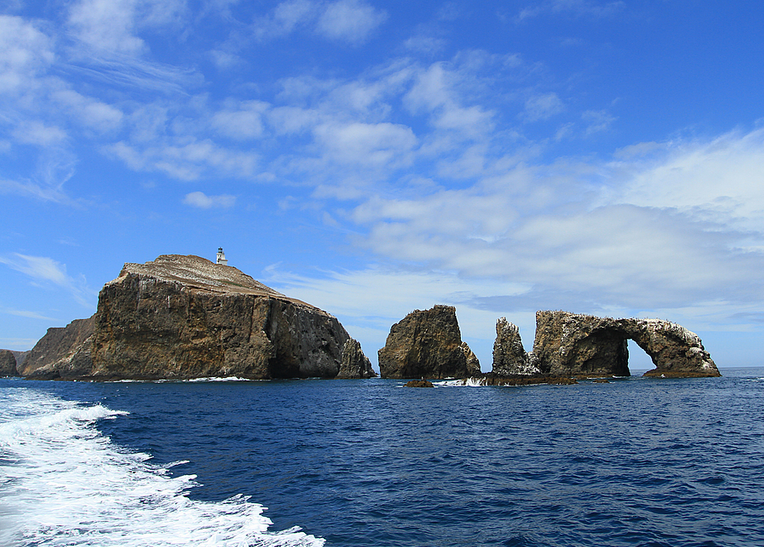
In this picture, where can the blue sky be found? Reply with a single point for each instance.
(377, 157)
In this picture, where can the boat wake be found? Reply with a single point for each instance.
(62, 482)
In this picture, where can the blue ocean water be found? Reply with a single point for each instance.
(635, 462)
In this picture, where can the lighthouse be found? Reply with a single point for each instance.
(221, 257)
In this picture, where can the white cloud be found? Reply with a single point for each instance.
(678, 229)
(37, 133)
(38, 267)
(106, 25)
(719, 180)
(110, 27)
(285, 18)
(593, 8)
(542, 107)
(350, 20)
(597, 121)
(88, 111)
(33, 189)
(203, 201)
(27, 314)
(374, 145)
(185, 159)
(432, 89)
(26, 53)
(427, 45)
(287, 120)
(242, 122)
(47, 271)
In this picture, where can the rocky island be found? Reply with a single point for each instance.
(181, 317)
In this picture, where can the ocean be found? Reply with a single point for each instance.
(633, 462)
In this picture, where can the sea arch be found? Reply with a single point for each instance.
(568, 344)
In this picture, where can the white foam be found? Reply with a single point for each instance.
(464, 382)
(64, 483)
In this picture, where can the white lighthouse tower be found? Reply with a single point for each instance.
(221, 257)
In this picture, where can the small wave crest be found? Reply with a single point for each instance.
(64, 483)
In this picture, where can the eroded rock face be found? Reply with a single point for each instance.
(7, 363)
(509, 355)
(64, 352)
(185, 317)
(354, 363)
(585, 345)
(427, 344)
(20, 356)
(581, 345)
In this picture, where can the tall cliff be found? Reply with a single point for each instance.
(427, 344)
(185, 317)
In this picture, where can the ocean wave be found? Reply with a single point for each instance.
(64, 483)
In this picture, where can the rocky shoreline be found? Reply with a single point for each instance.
(184, 317)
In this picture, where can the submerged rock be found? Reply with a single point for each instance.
(185, 317)
(419, 383)
(568, 344)
(427, 344)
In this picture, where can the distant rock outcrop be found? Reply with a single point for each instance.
(427, 344)
(185, 317)
(63, 353)
(568, 344)
(7, 363)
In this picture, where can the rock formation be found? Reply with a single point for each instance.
(354, 363)
(509, 355)
(185, 317)
(7, 363)
(64, 352)
(427, 344)
(580, 345)
(20, 356)
(568, 344)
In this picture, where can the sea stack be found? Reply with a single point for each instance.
(427, 344)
